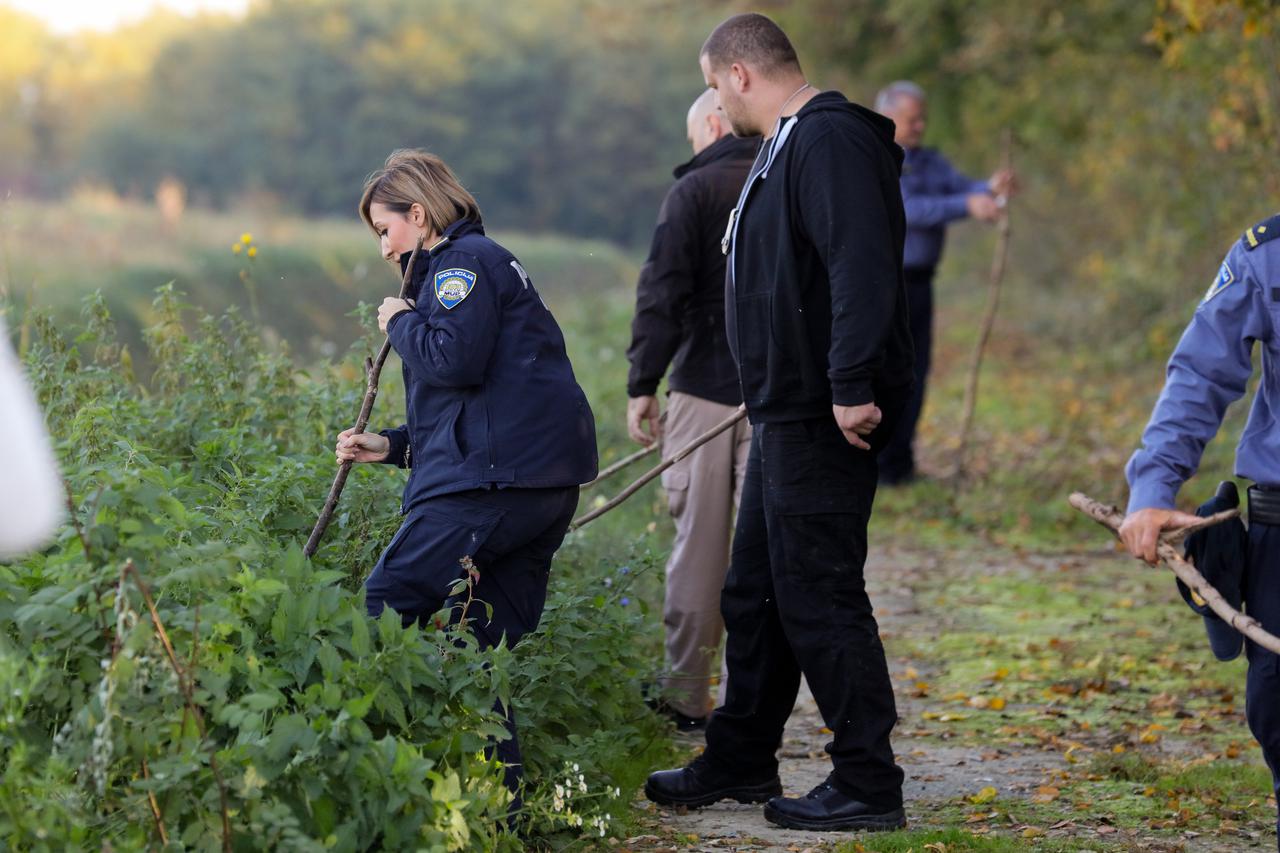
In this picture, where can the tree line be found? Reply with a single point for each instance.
(1146, 129)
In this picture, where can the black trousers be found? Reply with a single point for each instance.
(1262, 692)
(795, 602)
(898, 462)
(510, 534)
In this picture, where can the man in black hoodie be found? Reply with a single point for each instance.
(679, 323)
(817, 320)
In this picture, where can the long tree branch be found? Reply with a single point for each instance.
(654, 472)
(622, 463)
(988, 319)
(1110, 517)
(372, 372)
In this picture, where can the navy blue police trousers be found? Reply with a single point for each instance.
(1262, 693)
(795, 602)
(510, 534)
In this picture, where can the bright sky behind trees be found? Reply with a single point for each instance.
(68, 16)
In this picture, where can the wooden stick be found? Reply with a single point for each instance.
(654, 472)
(988, 319)
(186, 686)
(1110, 517)
(372, 372)
(623, 463)
(156, 814)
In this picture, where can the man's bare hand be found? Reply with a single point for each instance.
(857, 421)
(642, 410)
(364, 447)
(389, 308)
(1140, 531)
(1004, 182)
(983, 207)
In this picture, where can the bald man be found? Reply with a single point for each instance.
(680, 324)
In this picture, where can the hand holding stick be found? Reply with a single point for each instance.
(372, 372)
(1110, 517)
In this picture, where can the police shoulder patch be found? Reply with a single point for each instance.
(1267, 229)
(1225, 277)
(453, 286)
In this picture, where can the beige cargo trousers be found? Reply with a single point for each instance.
(702, 494)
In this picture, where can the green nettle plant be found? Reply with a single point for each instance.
(177, 675)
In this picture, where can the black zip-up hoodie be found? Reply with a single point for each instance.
(815, 303)
(679, 319)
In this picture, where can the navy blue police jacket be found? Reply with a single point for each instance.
(490, 396)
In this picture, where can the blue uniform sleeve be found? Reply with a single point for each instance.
(398, 454)
(1208, 371)
(951, 202)
(959, 182)
(449, 336)
(927, 211)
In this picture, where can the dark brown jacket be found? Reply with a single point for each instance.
(679, 320)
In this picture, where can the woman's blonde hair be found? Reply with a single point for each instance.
(413, 176)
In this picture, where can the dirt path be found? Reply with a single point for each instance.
(938, 775)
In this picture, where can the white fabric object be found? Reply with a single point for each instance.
(30, 486)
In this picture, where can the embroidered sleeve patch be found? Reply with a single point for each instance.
(1225, 277)
(453, 286)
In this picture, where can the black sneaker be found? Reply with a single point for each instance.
(699, 785)
(826, 808)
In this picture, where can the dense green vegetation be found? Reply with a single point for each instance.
(194, 427)
(175, 668)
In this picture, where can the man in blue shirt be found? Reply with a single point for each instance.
(1209, 370)
(934, 194)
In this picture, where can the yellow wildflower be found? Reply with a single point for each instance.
(253, 251)
(246, 238)
(235, 247)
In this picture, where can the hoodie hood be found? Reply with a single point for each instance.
(725, 148)
(834, 102)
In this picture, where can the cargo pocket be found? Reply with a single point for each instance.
(824, 547)
(818, 498)
(676, 482)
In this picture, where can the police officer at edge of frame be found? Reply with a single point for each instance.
(817, 320)
(1209, 370)
(679, 323)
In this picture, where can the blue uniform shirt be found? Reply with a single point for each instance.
(933, 194)
(1209, 370)
(491, 398)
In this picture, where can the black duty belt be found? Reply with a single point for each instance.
(1264, 505)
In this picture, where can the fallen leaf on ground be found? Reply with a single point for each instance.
(986, 795)
(1045, 794)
